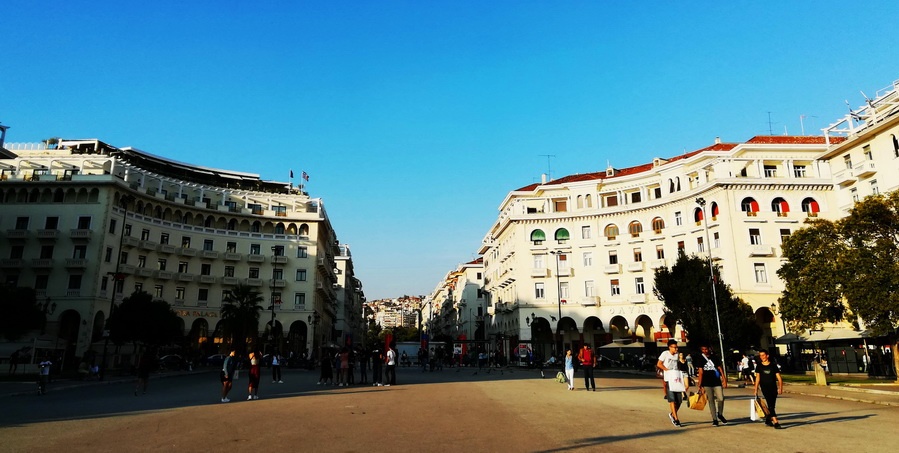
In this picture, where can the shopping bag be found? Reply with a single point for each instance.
(697, 401)
(675, 381)
(761, 407)
(753, 415)
(560, 377)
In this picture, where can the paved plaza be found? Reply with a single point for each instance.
(441, 411)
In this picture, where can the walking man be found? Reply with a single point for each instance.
(377, 360)
(712, 382)
(276, 368)
(228, 367)
(44, 377)
(588, 363)
(674, 379)
(391, 365)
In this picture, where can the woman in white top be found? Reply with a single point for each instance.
(569, 369)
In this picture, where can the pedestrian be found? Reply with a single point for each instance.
(344, 360)
(145, 365)
(377, 363)
(746, 370)
(363, 367)
(326, 376)
(712, 382)
(229, 367)
(768, 378)
(391, 365)
(255, 373)
(588, 361)
(351, 368)
(569, 369)
(44, 377)
(674, 379)
(276, 367)
(691, 370)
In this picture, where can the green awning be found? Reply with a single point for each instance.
(538, 235)
(562, 234)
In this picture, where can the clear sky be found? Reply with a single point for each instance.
(415, 119)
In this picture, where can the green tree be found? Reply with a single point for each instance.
(846, 270)
(19, 312)
(687, 295)
(145, 321)
(240, 315)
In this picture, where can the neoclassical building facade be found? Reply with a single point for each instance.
(86, 224)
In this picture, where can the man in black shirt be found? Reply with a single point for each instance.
(712, 382)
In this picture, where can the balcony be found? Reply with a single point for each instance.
(166, 248)
(230, 281)
(278, 283)
(637, 298)
(253, 281)
(126, 269)
(76, 262)
(844, 177)
(761, 250)
(658, 264)
(148, 245)
(231, 256)
(187, 251)
(47, 234)
(207, 279)
(256, 258)
(635, 267)
(41, 262)
(540, 272)
(612, 269)
(592, 301)
(164, 275)
(17, 234)
(279, 259)
(80, 234)
(209, 254)
(129, 241)
(144, 272)
(866, 168)
(185, 277)
(565, 272)
(12, 262)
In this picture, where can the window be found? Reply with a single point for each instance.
(255, 249)
(780, 206)
(160, 264)
(678, 218)
(588, 259)
(108, 257)
(141, 261)
(79, 252)
(680, 247)
(539, 262)
(613, 257)
(128, 229)
(179, 293)
(562, 235)
(770, 171)
(866, 150)
(21, 223)
(638, 255)
(301, 275)
(104, 283)
(700, 246)
(755, 237)
(760, 275)
(182, 267)
(299, 301)
(203, 294)
(537, 237)
(616, 288)
(278, 273)
(112, 224)
(895, 146)
(810, 207)
(538, 290)
(658, 224)
(16, 252)
(874, 189)
(611, 231)
(280, 211)
(205, 269)
(611, 201)
(585, 232)
(660, 252)
(563, 291)
(278, 250)
(229, 271)
(145, 235)
(635, 228)
(784, 234)
(560, 205)
(588, 289)
(208, 245)
(847, 161)
(639, 287)
(51, 223)
(84, 223)
(185, 242)
(657, 192)
(41, 281)
(254, 272)
(716, 242)
(799, 171)
(302, 252)
(138, 287)
(46, 252)
(164, 238)
(157, 291)
(75, 281)
(749, 206)
(636, 197)
(853, 192)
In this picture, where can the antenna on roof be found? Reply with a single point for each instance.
(549, 168)
(867, 99)
(770, 124)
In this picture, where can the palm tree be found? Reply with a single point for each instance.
(240, 314)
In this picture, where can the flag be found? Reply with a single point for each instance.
(291, 174)
(305, 177)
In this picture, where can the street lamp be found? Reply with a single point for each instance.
(123, 201)
(701, 202)
(558, 254)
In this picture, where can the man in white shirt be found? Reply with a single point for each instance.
(44, 377)
(391, 365)
(674, 378)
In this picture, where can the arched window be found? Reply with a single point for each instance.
(715, 211)
(780, 206)
(810, 207)
(697, 215)
(538, 236)
(635, 228)
(895, 146)
(749, 206)
(588, 201)
(658, 224)
(611, 231)
(580, 202)
(562, 235)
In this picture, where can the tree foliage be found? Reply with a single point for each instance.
(19, 312)
(846, 270)
(687, 295)
(240, 314)
(141, 319)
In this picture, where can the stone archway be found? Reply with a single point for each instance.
(69, 328)
(643, 328)
(594, 332)
(297, 339)
(199, 336)
(619, 328)
(765, 319)
(542, 342)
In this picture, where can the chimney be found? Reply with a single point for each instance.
(543, 178)
(717, 140)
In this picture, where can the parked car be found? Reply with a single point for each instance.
(216, 360)
(172, 362)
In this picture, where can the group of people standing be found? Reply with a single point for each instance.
(345, 361)
(230, 371)
(712, 380)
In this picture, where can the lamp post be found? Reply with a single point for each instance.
(557, 254)
(314, 319)
(701, 202)
(124, 201)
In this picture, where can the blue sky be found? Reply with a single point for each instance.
(415, 119)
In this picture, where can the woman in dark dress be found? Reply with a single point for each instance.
(768, 378)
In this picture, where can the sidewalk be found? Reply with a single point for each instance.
(29, 387)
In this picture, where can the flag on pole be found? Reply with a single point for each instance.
(291, 174)
(305, 177)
